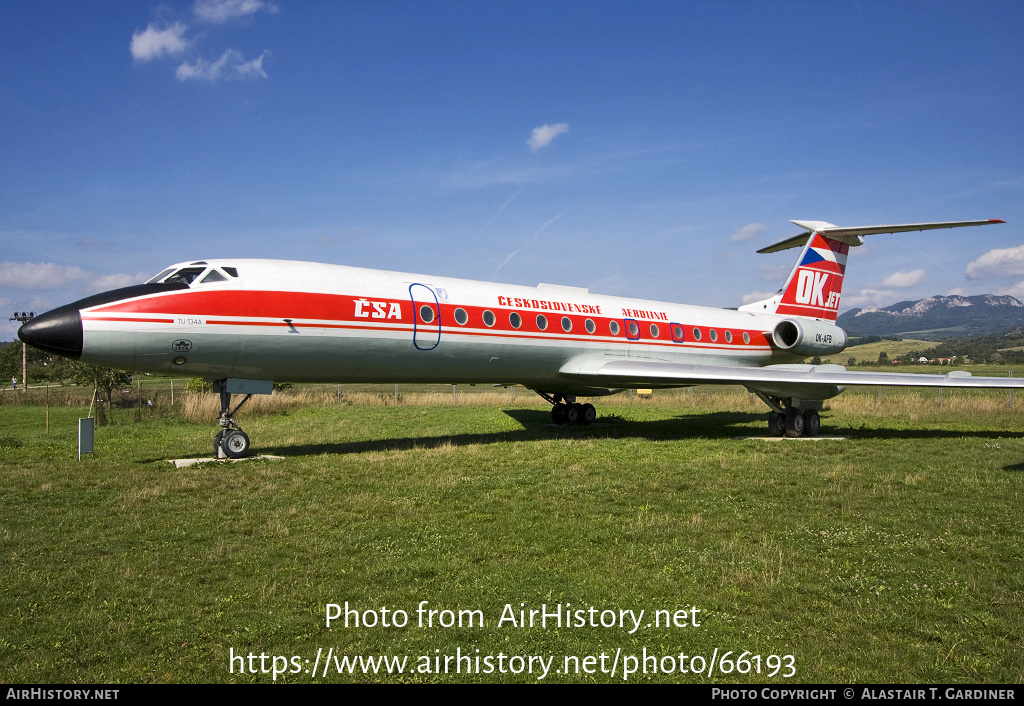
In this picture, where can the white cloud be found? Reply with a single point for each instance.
(230, 66)
(103, 283)
(217, 11)
(543, 135)
(152, 43)
(747, 232)
(757, 296)
(1016, 290)
(775, 273)
(869, 297)
(957, 292)
(904, 279)
(43, 275)
(1008, 262)
(48, 275)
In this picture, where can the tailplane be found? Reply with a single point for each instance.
(815, 285)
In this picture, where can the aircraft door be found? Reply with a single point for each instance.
(426, 316)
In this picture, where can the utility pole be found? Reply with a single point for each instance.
(23, 318)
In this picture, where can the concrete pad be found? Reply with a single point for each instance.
(789, 438)
(186, 462)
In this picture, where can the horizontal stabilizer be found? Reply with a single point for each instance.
(851, 235)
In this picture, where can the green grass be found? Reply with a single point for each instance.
(869, 351)
(893, 556)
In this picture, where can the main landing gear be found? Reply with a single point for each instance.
(792, 417)
(566, 410)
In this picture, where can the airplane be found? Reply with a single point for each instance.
(244, 323)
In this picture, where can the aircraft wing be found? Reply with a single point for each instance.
(794, 380)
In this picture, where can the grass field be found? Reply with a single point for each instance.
(892, 556)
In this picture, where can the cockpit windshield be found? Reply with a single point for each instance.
(185, 275)
(190, 275)
(160, 276)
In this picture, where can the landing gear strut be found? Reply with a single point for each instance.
(566, 410)
(231, 441)
(792, 417)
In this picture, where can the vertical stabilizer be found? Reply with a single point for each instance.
(816, 283)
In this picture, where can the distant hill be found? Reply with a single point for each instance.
(937, 318)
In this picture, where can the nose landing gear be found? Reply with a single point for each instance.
(231, 441)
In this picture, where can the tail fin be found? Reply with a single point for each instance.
(815, 285)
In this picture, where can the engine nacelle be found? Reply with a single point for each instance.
(806, 337)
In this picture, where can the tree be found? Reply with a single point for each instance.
(883, 358)
(106, 379)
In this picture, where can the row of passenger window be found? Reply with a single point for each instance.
(677, 331)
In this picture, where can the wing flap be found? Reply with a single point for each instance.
(632, 373)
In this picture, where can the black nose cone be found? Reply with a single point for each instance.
(58, 331)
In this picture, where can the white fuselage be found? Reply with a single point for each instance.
(298, 321)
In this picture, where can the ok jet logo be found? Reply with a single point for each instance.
(810, 288)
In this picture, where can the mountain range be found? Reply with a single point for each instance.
(937, 317)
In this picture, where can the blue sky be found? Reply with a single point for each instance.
(639, 149)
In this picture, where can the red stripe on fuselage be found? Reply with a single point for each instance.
(316, 310)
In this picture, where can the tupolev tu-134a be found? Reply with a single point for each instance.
(245, 323)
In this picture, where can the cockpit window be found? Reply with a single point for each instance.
(160, 276)
(214, 276)
(185, 275)
(231, 271)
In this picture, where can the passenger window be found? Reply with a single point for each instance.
(613, 326)
(542, 322)
(515, 319)
(461, 317)
(654, 331)
(591, 326)
(489, 318)
(566, 324)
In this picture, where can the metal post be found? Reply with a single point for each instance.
(23, 317)
(1011, 392)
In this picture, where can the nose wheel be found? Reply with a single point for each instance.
(230, 441)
